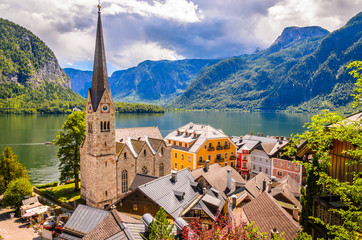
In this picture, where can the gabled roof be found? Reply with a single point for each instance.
(255, 185)
(141, 179)
(267, 215)
(218, 179)
(290, 183)
(197, 133)
(119, 147)
(83, 220)
(155, 143)
(137, 145)
(161, 191)
(261, 139)
(198, 172)
(248, 145)
(135, 133)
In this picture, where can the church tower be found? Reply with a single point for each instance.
(98, 153)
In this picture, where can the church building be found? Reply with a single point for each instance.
(107, 164)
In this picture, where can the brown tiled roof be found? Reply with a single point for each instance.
(137, 145)
(119, 147)
(255, 185)
(218, 179)
(290, 183)
(268, 147)
(134, 133)
(198, 172)
(267, 215)
(155, 143)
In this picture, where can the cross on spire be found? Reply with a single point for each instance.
(99, 5)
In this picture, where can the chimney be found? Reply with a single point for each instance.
(229, 179)
(204, 190)
(258, 134)
(281, 138)
(174, 176)
(206, 169)
(295, 213)
(121, 140)
(268, 187)
(264, 185)
(147, 219)
(138, 138)
(233, 199)
(277, 137)
(274, 232)
(261, 134)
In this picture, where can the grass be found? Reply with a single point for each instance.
(65, 193)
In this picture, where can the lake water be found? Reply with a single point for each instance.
(26, 134)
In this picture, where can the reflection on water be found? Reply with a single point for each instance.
(27, 134)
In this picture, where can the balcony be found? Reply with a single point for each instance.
(219, 148)
(202, 162)
(226, 147)
(211, 149)
(219, 159)
(232, 158)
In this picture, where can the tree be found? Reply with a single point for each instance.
(70, 137)
(10, 169)
(16, 191)
(161, 228)
(319, 140)
(356, 72)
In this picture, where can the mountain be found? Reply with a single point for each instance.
(81, 81)
(30, 77)
(304, 66)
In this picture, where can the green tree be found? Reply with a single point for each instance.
(319, 140)
(10, 169)
(161, 228)
(70, 137)
(16, 191)
(356, 72)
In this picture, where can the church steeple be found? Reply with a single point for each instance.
(100, 77)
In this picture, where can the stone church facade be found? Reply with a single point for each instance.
(108, 165)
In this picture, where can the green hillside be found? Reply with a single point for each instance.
(303, 69)
(31, 79)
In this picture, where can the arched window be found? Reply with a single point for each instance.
(108, 125)
(144, 152)
(101, 126)
(144, 170)
(162, 150)
(125, 155)
(124, 181)
(105, 125)
(162, 170)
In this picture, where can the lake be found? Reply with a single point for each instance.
(27, 134)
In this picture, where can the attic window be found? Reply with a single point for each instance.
(179, 195)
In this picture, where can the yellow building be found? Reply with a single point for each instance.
(193, 144)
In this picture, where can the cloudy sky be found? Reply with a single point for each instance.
(137, 30)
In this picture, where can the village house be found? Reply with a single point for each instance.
(110, 158)
(193, 144)
(178, 194)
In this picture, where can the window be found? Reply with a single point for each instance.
(161, 170)
(296, 177)
(205, 146)
(104, 126)
(226, 164)
(106, 193)
(232, 154)
(260, 169)
(101, 126)
(226, 155)
(279, 173)
(210, 145)
(180, 144)
(296, 167)
(253, 167)
(226, 143)
(125, 155)
(232, 164)
(175, 154)
(244, 165)
(182, 166)
(189, 158)
(144, 152)
(209, 157)
(105, 164)
(218, 144)
(276, 163)
(282, 164)
(266, 160)
(289, 165)
(182, 157)
(175, 165)
(161, 150)
(108, 125)
(135, 207)
(266, 170)
(254, 158)
(124, 181)
(200, 159)
(144, 170)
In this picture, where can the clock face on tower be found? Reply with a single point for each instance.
(105, 107)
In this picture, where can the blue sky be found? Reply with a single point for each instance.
(137, 30)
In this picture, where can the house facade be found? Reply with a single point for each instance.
(193, 144)
(283, 167)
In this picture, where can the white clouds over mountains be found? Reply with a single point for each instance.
(136, 30)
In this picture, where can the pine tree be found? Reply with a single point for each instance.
(160, 228)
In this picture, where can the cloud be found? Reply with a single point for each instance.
(177, 10)
(137, 30)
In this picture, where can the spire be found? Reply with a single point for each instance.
(100, 77)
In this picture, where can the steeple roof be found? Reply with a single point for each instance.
(100, 77)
